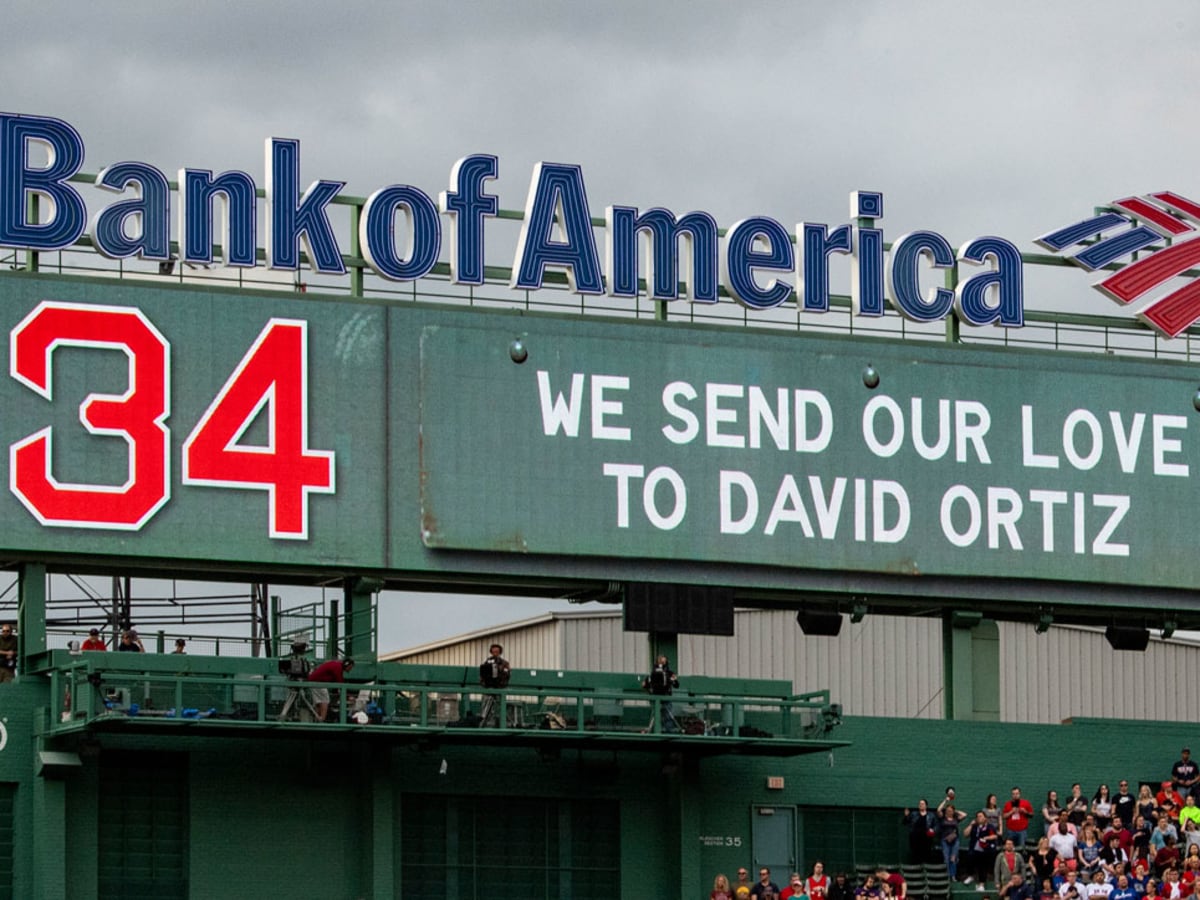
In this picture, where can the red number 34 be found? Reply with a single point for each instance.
(272, 378)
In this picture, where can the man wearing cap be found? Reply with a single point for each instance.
(1185, 773)
(1168, 799)
(94, 641)
(130, 642)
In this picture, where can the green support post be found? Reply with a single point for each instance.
(49, 826)
(358, 625)
(31, 613)
(971, 666)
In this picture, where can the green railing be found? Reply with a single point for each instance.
(98, 690)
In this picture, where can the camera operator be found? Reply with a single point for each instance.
(661, 682)
(332, 672)
(494, 672)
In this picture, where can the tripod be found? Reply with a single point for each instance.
(299, 699)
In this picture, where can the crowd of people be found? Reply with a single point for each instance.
(881, 885)
(1112, 845)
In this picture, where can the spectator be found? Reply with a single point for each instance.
(721, 889)
(1166, 858)
(869, 889)
(1099, 889)
(1063, 841)
(1017, 813)
(1191, 837)
(1172, 888)
(1076, 806)
(1087, 854)
(180, 646)
(1124, 803)
(764, 888)
(1050, 811)
(1113, 856)
(8, 653)
(130, 642)
(991, 810)
(1102, 807)
(1123, 890)
(94, 641)
(1146, 804)
(1190, 812)
(817, 884)
(331, 672)
(1016, 889)
(1123, 834)
(661, 682)
(948, 821)
(794, 889)
(982, 841)
(743, 880)
(1185, 773)
(1008, 863)
(922, 824)
(494, 673)
(1048, 892)
(1169, 800)
(1140, 845)
(840, 889)
(1070, 888)
(1044, 858)
(894, 882)
(1141, 874)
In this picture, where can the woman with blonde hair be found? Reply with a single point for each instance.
(721, 890)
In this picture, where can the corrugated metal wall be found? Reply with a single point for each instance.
(883, 666)
(600, 644)
(1045, 678)
(537, 646)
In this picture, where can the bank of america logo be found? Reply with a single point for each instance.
(1164, 225)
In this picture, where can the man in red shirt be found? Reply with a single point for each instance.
(332, 672)
(1017, 813)
(817, 884)
(896, 880)
(1169, 799)
(94, 641)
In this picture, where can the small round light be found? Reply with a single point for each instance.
(1196, 401)
(518, 352)
(870, 377)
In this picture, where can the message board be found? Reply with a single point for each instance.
(774, 451)
(231, 431)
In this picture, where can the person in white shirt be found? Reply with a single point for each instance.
(1063, 841)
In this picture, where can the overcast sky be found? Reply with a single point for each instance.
(1009, 118)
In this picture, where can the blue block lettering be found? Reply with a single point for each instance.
(741, 259)
(377, 232)
(468, 204)
(816, 242)
(150, 213)
(905, 280)
(971, 294)
(236, 194)
(291, 218)
(698, 231)
(557, 195)
(18, 180)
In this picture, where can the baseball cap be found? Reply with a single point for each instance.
(94, 631)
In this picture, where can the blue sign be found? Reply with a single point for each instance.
(757, 262)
